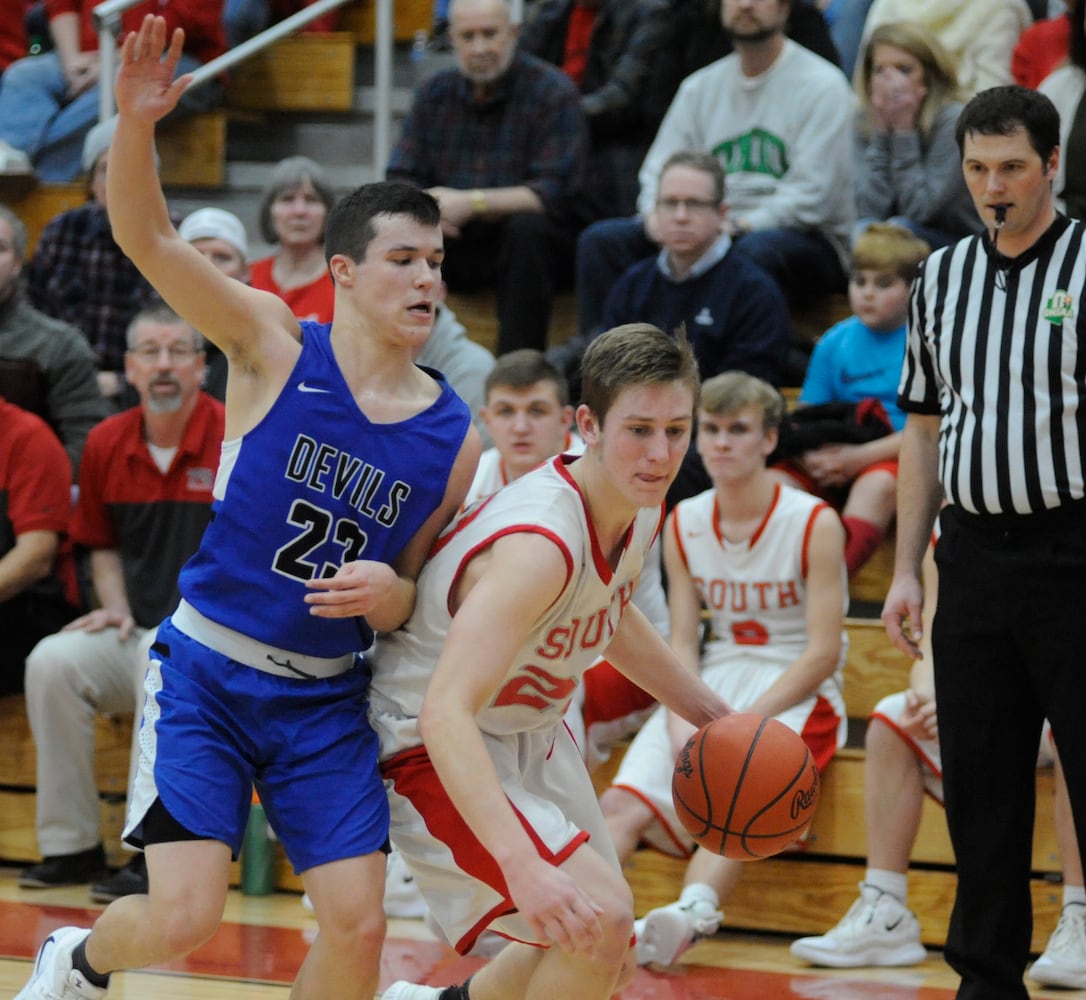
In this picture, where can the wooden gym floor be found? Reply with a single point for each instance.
(262, 941)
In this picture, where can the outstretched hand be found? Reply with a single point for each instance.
(145, 86)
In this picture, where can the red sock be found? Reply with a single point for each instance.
(863, 539)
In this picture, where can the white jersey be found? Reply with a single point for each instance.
(756, 589)
(756, 592)
(569, 637)
(491, 475)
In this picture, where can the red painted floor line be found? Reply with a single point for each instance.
(273, 954)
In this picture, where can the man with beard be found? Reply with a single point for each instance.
(500, 142)
(144, 501)
(779, 119)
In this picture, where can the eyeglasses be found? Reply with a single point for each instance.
(177, 352)
(691, 205)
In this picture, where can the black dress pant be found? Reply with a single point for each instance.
(1009, 643)
(526, 258)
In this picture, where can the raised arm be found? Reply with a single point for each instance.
(253, 327)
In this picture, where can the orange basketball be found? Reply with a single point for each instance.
(745, 786)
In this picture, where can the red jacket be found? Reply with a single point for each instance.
(201, 19)
(12, 33)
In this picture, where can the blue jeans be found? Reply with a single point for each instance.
(37, 117)
(241, 19)
(803, 262)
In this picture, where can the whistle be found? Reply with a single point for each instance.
(1000, 216)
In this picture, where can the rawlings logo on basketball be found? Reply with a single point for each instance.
(683, 764)
(805, 798)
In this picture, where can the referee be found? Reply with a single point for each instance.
(994, 385)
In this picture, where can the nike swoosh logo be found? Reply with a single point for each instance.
(302, 387)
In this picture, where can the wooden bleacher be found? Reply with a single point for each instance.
(18, 842)
(798, 893)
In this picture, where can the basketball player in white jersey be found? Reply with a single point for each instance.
(492, 807)
(528, 417)
(768, 562)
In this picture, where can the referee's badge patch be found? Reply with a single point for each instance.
(1060, 305)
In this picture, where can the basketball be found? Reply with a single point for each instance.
(745, 786)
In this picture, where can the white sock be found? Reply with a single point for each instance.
(699, 890)
(895, 883)
(1074, 894)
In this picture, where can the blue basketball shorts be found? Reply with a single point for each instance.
(213, 729)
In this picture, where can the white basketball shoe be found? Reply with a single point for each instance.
(878, 930)
(1064, 960)
(53, 977)
(665, 933)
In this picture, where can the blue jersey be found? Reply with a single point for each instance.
(313, 486)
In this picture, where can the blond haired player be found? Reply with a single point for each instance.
(492, 807)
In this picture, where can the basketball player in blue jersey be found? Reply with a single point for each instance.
(342, 461)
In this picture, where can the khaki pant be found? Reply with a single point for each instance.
(70, 678)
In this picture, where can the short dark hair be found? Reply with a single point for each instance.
(1004, 110)
(350, 223)
(521, 370)
(288, 174)
(631, 355)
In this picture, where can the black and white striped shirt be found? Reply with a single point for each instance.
(1004, 364)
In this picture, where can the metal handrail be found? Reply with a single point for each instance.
(107, 18)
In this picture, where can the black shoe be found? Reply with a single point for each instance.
(65, 869)
(131, 880)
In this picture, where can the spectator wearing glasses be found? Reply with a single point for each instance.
(734, 313)
(779, 118)
(144, 501)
